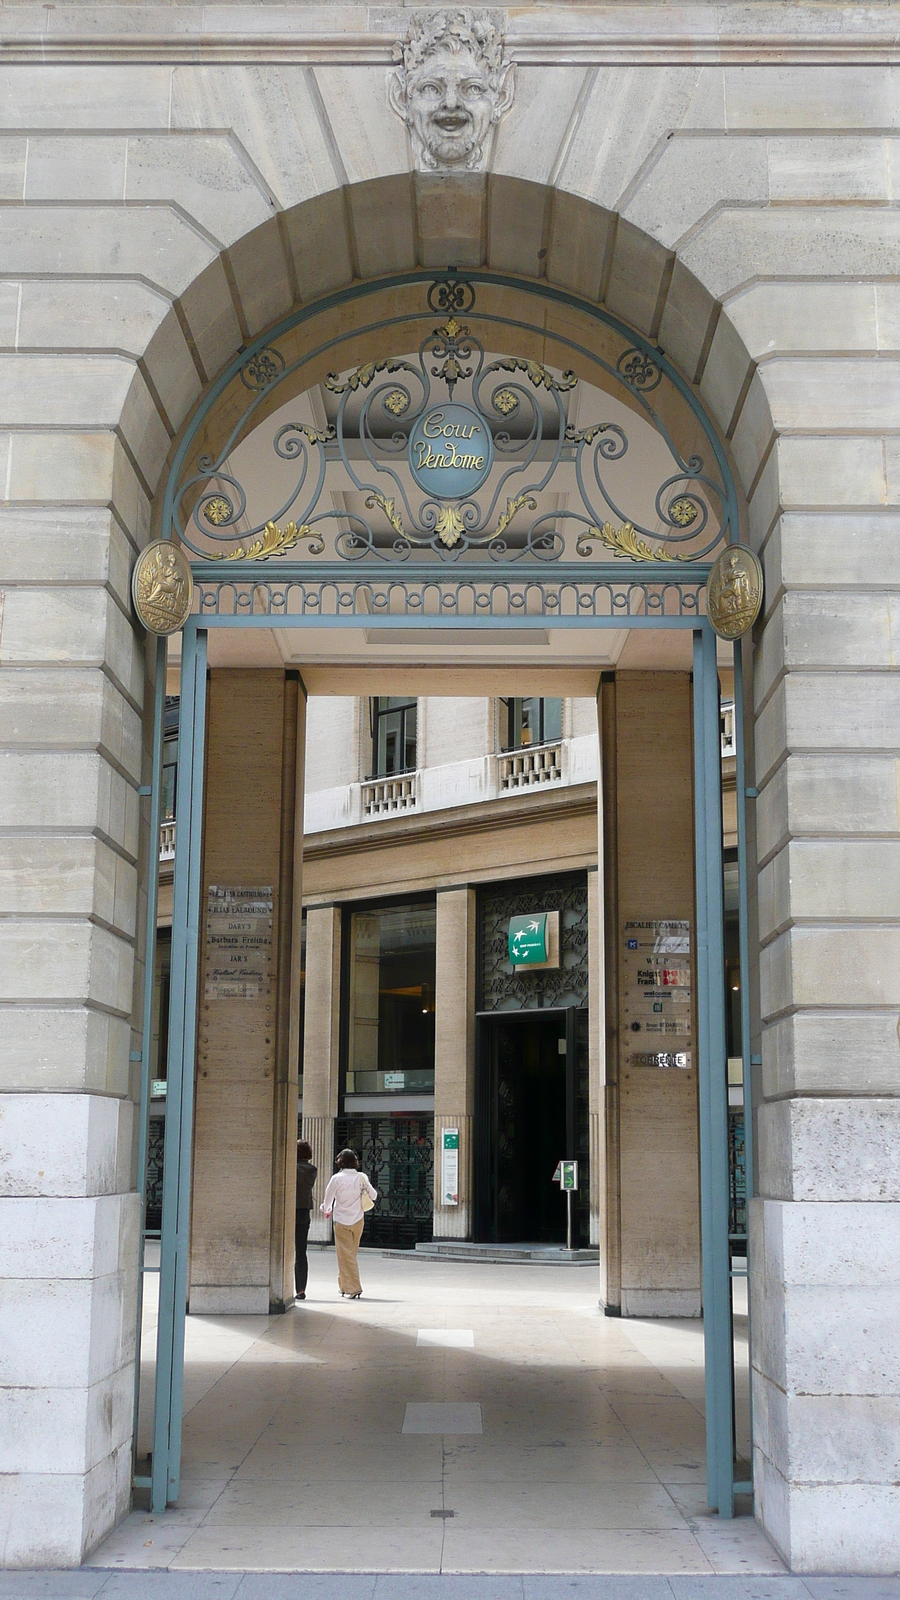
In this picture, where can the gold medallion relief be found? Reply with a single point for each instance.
(162, 588)
(734, 592)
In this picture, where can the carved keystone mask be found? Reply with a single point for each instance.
(451, 87)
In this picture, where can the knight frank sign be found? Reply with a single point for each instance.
(450, 452)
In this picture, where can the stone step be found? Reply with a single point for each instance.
(464, 1250)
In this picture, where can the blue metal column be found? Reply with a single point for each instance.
(166, 1469)
(159, 704)
(713, 1078)
(743, 904)
(746, 1486)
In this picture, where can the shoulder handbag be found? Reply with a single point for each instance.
(365, 1199)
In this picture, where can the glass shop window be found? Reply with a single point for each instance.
(391, 1000)
(530, 721)
(393, 735)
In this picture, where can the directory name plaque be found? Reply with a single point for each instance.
(238, 942)
(656, 993)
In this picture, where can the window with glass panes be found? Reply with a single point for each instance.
(170, 759)
(393, 735)
(390, 995)
(529, 721)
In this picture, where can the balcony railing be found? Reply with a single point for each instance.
(167, 840)
(383, 797)
(531, 766)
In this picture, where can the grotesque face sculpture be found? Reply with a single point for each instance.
(452, 86)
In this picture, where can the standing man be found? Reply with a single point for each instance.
(306, 1177)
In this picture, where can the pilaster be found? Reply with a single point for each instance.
(321, 1043)
(658, 1125)
(243, 1082)
(454, 1051)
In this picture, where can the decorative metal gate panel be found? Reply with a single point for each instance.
(517, 557)
(398, 1155)
(737, 1171)
(156, 1144)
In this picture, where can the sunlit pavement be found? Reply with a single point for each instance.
(591, 1458)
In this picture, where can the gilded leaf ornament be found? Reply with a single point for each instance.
(362, 376)
(449, 526)
(583, 435)
(272, 542)
(622, 542)
(386, 504)
(539, 375)
(521, 502)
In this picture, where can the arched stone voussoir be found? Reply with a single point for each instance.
(392, 225)
(383, 229)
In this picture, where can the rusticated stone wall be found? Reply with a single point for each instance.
(722, 177)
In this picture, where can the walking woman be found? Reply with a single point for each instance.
(344, 1204)
(306, 1177)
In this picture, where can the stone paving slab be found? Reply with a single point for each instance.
(99, 1584)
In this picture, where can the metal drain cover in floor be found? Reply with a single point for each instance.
(443, 1514)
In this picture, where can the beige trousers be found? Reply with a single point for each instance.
(346, 1243)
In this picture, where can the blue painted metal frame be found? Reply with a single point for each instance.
(708, 841)
(711, 1042)
(147, 1009)
(166, 1464)
(713, 1078)
(745, 1487)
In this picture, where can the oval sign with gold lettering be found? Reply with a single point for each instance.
(450, 452)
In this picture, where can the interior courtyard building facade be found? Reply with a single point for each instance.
(394, 399)
(459, 816)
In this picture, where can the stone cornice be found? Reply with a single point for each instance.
(485, 816)
(756, 31)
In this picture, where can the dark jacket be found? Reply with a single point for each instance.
(306, 1177)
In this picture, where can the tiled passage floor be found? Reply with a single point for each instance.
(590, 1458)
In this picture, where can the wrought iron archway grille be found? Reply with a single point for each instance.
(520, 409)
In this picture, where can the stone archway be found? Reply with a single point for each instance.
(393, 295)
(92, 424)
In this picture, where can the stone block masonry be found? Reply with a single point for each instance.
(177, 182)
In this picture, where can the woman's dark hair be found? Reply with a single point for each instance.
(304, 1150)
(347, 1158)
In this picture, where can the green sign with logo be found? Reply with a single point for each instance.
(528, 939)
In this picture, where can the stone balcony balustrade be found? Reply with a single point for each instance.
(530, 767)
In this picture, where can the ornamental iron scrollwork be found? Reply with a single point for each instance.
(262, 370)
(639, 370)
(451, 295)
(397, 1153)
(498, 504)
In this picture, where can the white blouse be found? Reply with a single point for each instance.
(342, 1195)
